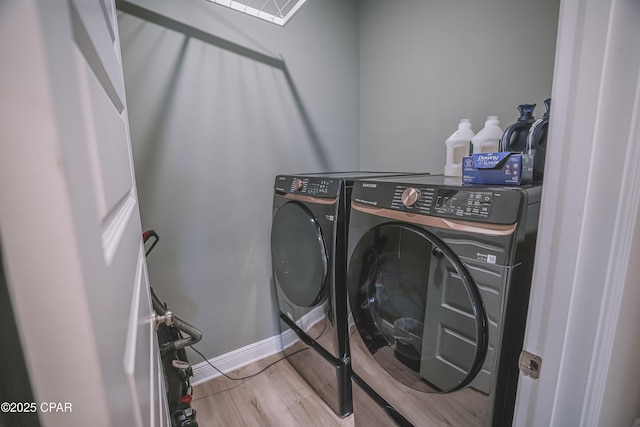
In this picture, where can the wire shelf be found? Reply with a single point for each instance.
(275, 11)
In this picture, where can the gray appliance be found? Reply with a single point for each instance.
(438, 286)
(308, 249)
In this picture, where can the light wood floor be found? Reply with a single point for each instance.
(280, 397)
(276, 397)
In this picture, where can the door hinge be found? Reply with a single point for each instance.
(529, 364)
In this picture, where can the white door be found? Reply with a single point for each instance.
(69, 219)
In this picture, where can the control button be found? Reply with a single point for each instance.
(410, 197)
(297, 184)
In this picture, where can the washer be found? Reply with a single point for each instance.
(308, 249)
(438, 286)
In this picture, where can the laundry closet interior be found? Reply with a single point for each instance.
(221, 103)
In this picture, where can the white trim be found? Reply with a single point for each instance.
(619, 260)
(236, 359)
(583, 254)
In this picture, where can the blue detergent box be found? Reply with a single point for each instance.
(503, 168)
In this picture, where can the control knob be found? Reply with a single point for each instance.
(297, 184)
(410, 197)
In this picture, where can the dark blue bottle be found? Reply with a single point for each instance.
(537, 141)
(515, 135)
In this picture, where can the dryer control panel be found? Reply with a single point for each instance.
(492, 205)
(307, 185)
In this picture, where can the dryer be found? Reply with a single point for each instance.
(438, 285)
(308, 249)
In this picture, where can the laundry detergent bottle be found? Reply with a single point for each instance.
(488, 139)
(458, 147)
(537, 141)
(515, 136)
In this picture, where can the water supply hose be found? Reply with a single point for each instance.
(195, 335)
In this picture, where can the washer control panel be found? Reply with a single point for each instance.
(306, 185)
(468, 203)
(484, 204)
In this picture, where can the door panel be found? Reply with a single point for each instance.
(138, 365)
(120, 231)
(108, 148)
(94, 34)
(71, 231)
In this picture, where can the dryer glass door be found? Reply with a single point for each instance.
(299, 254)
(417, 309)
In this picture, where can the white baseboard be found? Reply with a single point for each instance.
(238, 358)
(235, 359)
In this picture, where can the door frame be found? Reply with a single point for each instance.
(583, 312)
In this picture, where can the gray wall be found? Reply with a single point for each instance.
(424, 65)
(219, 103)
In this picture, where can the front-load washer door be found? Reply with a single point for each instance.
(299, 255)
(417, 308)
